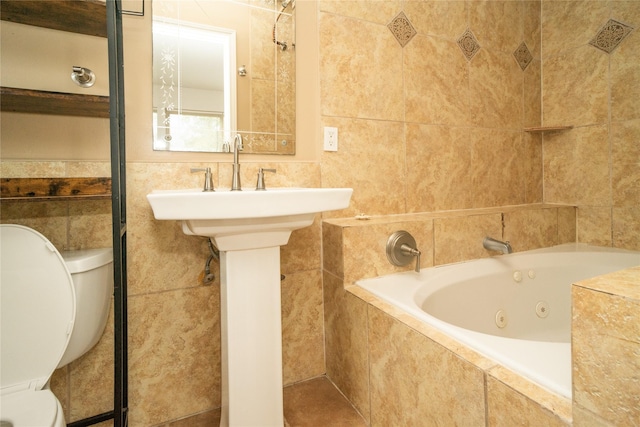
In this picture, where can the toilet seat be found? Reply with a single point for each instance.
(37, 318)
(18, 409)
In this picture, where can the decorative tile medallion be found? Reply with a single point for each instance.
(468, 44)
(610, 35)
(402, 29)
(523, 56)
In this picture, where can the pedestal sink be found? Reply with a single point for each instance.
(248, 227)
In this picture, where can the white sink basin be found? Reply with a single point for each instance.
(247, 219)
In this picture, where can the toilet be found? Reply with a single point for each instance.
(54, 308)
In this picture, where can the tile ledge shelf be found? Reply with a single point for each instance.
(541, 129)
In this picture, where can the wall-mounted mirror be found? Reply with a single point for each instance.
(221, 67)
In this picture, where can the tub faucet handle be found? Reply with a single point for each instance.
(401, 249)
(408, 250)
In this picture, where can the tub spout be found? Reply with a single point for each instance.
(497, 245)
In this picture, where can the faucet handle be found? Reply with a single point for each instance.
(260, 184)
(208, 178)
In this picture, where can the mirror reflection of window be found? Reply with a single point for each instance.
(193, 130)
(192, 90)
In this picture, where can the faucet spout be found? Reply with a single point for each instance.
(497, 245)
(237, 147)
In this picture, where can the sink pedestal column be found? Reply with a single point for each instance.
(251, 344)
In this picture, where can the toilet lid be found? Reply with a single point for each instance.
(37, 308)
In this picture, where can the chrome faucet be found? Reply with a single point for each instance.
(497, 245)
(237, 147)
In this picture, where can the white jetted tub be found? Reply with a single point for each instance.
(515, 309)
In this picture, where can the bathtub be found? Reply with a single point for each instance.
(514, 309)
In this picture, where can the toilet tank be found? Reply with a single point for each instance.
(92, 274)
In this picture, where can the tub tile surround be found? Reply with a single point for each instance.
(367, 340)
(605, 330)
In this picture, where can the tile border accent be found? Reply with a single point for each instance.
(610, 35)
(401, 28)
(468, 44)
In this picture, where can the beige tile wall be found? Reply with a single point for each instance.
(448, 131)
(595, 165)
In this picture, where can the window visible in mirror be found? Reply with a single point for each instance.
(194, 130)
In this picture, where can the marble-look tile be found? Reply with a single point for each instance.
(567, 225)
(48, 218)
(621, 283)
(445, 19)
(91, 377)
(497, 170)
(533, 94)
(531, 28)
(575, 88)
(90, 224)
(32, 169)
(88, 169)
(345, 88)
(507, 406)
(346, 343)
(302, 326)
(576, 166)
(569, 24)
(203, 419)
(382, 13)
(593, 225)
(582, 417)
(625, 67)
(531, 228)
(626, 227)
(160, 255)
(174, 362)
(496, 88)
(303, 250)
(625, 160)
(533, 186)
(317, 402)
(460, 239)
(333, 249)
(435, 66)
(497, 24)
(604, 333)
(365, 248)
(442, 155)
(378, 183)
(415, 381)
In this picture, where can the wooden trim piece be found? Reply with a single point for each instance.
(76, 16)
(54, 188)
(43, 102)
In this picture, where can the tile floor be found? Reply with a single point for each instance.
(313, 403)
